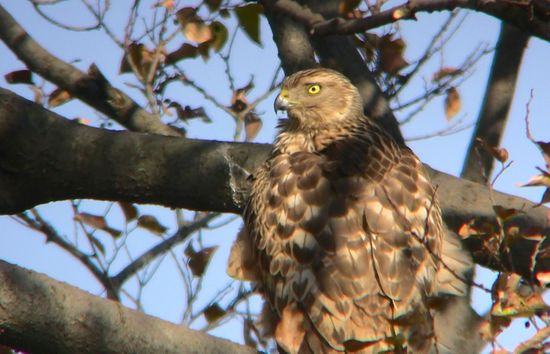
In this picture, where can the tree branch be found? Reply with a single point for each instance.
(529, 16)
(91, 88)
(32, 305)
(499, 94)
(71, 161)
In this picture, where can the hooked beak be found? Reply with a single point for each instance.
(281, 102)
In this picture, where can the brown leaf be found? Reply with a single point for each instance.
(96, 222)
(193, 26)
(514, 298)
(347, 6)
(402, 12)
(252, 125)
(186, 113)
(501, 154)
(545, 197)
(185, 51)
(58, 97)
(238, 100)
(504, 213)
(19, 77)
(213, 5)
(492, 327)
(249, 20)
(391, 54)
(545, 149)
(543, 278)
(452, 103)
(167, 4)
(140, 57)
(38, 94)
(445, 72)
(151, 223)
(186, 15)
(198, 261)
(539, 180)
(130, 211)
(213, 313)
(198, 32)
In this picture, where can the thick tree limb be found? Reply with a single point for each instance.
(92, 88)
(529, 16)
(499, 94)
(33, 305)
(44, 158)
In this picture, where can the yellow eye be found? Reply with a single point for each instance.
(314, 89)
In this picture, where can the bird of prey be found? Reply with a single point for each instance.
(342, 230)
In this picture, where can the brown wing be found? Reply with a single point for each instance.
(343, 242)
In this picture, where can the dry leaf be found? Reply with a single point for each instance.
(130, 211)
(19, 77)
(545, 148)
(82, 120)
(445, 72)
(96, 222)
(185, 51)
(151, 223)
(213, 313)
(198, 32)
(545, 197)
(252, 125)
(391, 54)
(347, 6)
(504, 213)
(501, 154)
(452, 103)
(198, 261)
(238, 100)
(539, 180)
(38, 94)
(58, 97)
(402, 12)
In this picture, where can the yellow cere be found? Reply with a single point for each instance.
(284, 93)
(314, 89)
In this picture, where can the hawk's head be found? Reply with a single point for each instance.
(318, 99)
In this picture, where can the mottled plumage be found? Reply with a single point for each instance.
(343, 234)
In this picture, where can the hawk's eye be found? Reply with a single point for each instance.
(313, 89)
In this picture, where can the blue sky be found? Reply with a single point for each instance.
(163, 297)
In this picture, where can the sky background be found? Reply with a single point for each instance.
(163, 297)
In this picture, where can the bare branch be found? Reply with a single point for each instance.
(529, 16)
(91, 88)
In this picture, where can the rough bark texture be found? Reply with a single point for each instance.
(499, 94)
(529, 16)
(32, 306)
(46, 158)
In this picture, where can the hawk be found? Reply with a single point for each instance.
(342, 230)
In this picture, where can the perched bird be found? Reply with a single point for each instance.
(342, 230)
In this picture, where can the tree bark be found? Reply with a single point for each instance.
(32, 306)
(44, 157)
(499, 94)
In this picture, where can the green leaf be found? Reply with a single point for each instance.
(213, 5)
(219, 32)
(249, 19)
